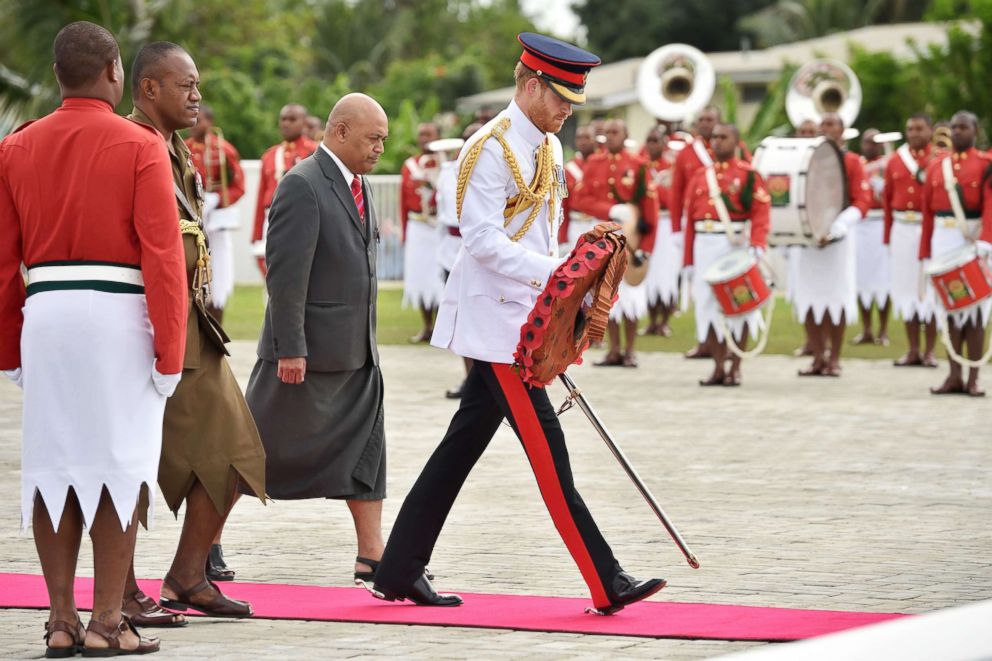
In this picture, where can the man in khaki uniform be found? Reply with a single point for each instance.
(210, 442)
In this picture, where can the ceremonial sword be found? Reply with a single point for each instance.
(575, 395)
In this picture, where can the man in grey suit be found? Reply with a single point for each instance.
(316, 390)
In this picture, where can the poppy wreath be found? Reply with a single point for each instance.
(574, 308)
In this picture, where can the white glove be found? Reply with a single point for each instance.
(757, 252)
(210, 202)
(984, 248)
(621, 213)
(15, 375)
(845, 219)
(165, 384)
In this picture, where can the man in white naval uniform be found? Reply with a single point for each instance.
(502, 268)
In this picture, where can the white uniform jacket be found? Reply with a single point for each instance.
(495, 281)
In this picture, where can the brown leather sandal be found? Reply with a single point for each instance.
(144, 612)
(219, 606)
(113, 637)
(77, 633)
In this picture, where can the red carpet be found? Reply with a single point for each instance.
(529, 613)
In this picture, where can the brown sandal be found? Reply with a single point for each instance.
(66, 628)
(150, 614)
(113, 634)
(219, 606)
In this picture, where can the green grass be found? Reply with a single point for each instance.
(243, 321)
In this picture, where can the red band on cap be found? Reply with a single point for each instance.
(537, 64)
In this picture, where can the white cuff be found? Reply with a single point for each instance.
(15, 375)
(757, 252)
(165, 384)
(621, 213)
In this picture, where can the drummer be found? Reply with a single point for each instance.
(826, 288)
(742, 192)
(616, 186)
(942, 234)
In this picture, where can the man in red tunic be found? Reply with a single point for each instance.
(662, 281)
(695, 156)
(219, 166)
(902, 200)
(585, 145)
(423, 281)
(104, 325)
(743, 195)
(944, 232)
(826, 296)
(615, 185)
(872, 256)
(277, 161)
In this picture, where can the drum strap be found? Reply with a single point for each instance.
(716, 196)
(907, 159)
(951, 186)
(701, 153)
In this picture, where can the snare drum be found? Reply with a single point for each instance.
(808, 186)
(961, 277)
(737, 283)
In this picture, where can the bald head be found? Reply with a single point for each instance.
(356, 132)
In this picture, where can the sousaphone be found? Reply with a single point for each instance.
(822, 86)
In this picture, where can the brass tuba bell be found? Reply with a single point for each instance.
(675, 82)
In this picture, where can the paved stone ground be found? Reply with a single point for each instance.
(861, 493)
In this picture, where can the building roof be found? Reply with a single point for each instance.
(613, 85)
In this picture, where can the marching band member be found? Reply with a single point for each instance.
(615, 183)
(219, 166)
(569, 233)
(277, 160)
(733, 184)
(873, 271)
(902, 203)
(695, 156)
(96, 338)
(513, 172)
(826, 280)
(662, 281)
(422, 281)
(942, 232)
(806, 129)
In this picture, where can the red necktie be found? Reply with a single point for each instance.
(356, 192)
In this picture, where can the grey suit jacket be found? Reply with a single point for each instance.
(321, 276)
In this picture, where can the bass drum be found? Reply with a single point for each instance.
(806, 180)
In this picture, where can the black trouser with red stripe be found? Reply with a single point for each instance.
(491, 393)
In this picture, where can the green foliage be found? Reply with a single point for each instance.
(892, 90)
(793, 20)
(633, 28)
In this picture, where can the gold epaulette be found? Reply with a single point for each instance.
(529, 197)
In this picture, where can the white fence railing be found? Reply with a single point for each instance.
(385, 190)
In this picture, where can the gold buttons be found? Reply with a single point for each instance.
(611, 180)
(911, 190)
(707, 216)
(909, 205)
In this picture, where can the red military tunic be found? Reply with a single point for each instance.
(970, 169)
(207, 161)
(858, 191)
(903, 191)
(875, 170)
(292, 153)
(573, 175)
(661, 171)
(414, 177)
(86, 184)
(735, 177)
(610, 179)
(686, 165)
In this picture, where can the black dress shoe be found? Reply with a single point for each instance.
(216, 569)
(421, 593)
(626, 590)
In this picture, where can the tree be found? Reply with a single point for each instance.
(794, 20)
(633, 28)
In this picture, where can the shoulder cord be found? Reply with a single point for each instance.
(203, 274)
(528, 196)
